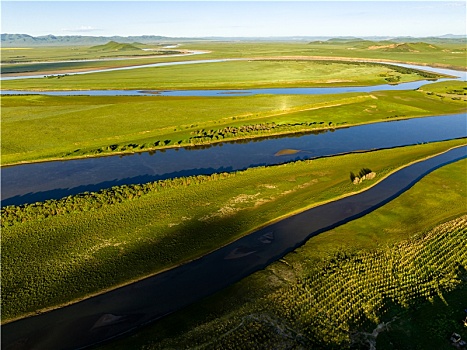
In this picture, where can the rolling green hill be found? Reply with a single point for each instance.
(114, 46)
(406, 47)
(383, 45)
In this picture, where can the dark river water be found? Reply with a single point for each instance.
(119, 311)
(40, 181)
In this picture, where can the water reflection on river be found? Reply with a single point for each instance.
(36, 182)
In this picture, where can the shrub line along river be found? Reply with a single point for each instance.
(34, 182)
(125, 309)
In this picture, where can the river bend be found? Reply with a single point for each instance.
(119, 311)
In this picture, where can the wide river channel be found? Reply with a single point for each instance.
(125, 309)
(40, 181)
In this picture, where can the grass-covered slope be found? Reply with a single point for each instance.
(383, 46)
(58, 251)
(406, 47)
(394, 278)
(114, 46)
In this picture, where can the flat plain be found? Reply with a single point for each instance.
(323, 294)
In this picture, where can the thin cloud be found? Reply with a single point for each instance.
(82, 29)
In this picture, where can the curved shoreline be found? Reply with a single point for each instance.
(215, 60)
(191, 281)
(216, 142)
(37, 182)
(15, 76)
(183, 53)
(89, 156)
(363, 59)
(246, 233)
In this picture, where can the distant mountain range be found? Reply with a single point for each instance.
(25, 40)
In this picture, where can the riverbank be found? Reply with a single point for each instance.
(363, 59)
(252, 311)
(228, 73)
(78, 126)
(140, 242)
(92, 335)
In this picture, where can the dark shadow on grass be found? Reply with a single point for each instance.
(58, 193)
(134, 305)
(155, 297)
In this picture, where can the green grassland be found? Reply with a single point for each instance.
(59, 251)
(230, 74)
(59, 68)
(452, 90)
(401, 267)
(448, 54)
(59, 53)
(445, 54)
(329, 292)
(48, 127)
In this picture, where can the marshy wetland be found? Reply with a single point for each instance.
(224, 168)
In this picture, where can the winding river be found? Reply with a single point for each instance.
(122, 310)
(12, 76)
(52, 180)
(461, 75)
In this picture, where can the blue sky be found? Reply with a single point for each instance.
(234, 18)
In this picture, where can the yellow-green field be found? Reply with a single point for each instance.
(48, 127)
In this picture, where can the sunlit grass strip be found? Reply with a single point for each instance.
(68, 249)
(358, 290)
(38, 128)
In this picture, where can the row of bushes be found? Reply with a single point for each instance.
(399, 69)
(87, 201)
(202, 136)
(254, 129)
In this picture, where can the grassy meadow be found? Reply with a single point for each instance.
(229, 74)
(61, 250)
(403, 264)
(39, 127)
(447, 54)
(34, 54)
(393, 278)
